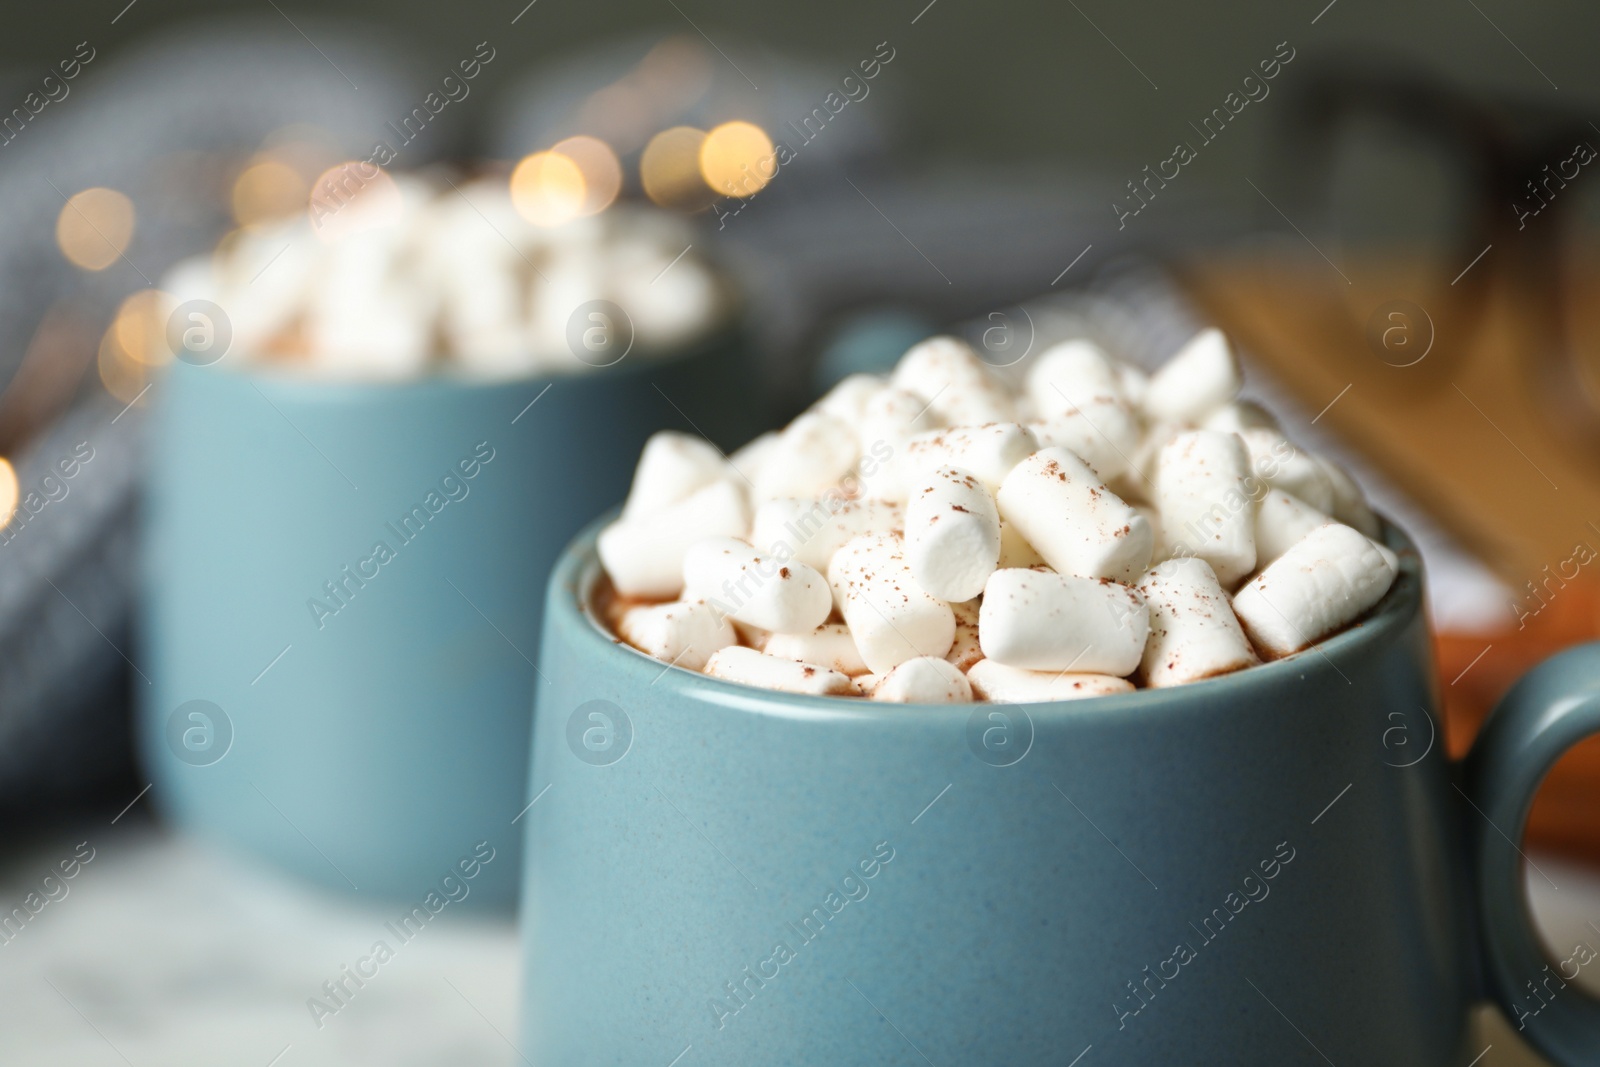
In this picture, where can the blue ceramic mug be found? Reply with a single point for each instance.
(1274, 867)
(345, 584)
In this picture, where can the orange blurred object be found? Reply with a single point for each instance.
(1476, 671)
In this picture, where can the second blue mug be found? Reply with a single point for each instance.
(344, 594)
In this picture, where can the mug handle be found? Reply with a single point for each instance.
(1552, 708)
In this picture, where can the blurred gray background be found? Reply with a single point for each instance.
(1086, 84)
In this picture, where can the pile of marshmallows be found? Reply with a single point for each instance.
(409, 277)
(941, 537)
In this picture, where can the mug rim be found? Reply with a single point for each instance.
(569, 607)
(302, 388)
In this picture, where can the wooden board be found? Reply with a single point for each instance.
(1466, 431)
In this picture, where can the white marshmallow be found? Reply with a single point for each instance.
(952, 534)
(672, 466)
(935, 363)
(1134, 492)
(263, 276)
(1200, 378)
(1015, 550)
(1282, 519)
(1153, 517)
(481, 323)
(812, 454)
(1043, 621)
(368, 316)
(889, 420)
(813, 530)
(758, 590)
(1077, 393)
(194, 278)
(749, 458)
(999, 684)
(966, 649)
(890, 615)
(569, 278)
(1327, 579)
(1133, 382)
(847, 400)
(1349, 503)
(900, 413)
(749, 667)
(623, 256)
(1275, 460)
(988, 452)
(829, 645)
(1205, 504)
(477, 274)
(368, 328)
(924, 680)
(685, 632)
(1147, 456)
(751, 636)
(1109, 451)
(1193, 631)
(1071, 374)
(948, 375)
(1067, 514)
(667, 307)
(1239, 416)
(403, 274)
(644, 557)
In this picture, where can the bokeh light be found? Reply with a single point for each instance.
(123, 376)
(602, 172)
(665, 85)
(674, 74)
(669, 169)
(619, 113)
(267, 189)
(95, 228)
(140, 327)
(350, 197)
(10, 491)
(548, 188)
(736, 159)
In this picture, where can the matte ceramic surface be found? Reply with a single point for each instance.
(370, 742)
(1266, 868)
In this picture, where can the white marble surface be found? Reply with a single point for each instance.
(167, 952)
